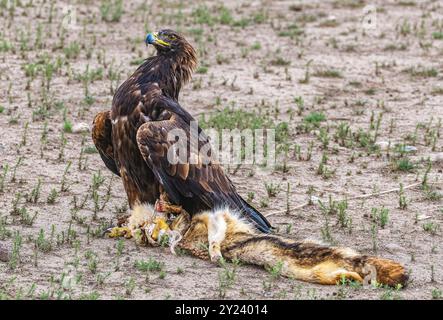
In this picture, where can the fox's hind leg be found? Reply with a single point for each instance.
(331, 273)
(216, 235)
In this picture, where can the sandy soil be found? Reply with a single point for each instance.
(355, 71)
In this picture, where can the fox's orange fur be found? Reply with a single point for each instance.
(227, 235)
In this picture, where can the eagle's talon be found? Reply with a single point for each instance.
(107, 230)
(165, 206)
(117, 232)
(159, 206)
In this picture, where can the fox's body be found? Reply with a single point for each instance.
(223, 233)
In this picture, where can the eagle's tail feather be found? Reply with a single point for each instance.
(259, 221)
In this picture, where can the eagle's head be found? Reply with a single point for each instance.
(170, 43)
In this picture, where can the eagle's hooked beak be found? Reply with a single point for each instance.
(152, 38)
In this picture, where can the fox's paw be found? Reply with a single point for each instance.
(215, 252)
(216, 257)
(341, 275)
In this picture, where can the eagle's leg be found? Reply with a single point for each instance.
(131, 189)
(181, 222)
(163, 205)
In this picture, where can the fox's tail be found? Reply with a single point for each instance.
(314, 262)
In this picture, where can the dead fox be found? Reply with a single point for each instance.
(223, 233)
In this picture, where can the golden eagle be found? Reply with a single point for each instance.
(132, 138)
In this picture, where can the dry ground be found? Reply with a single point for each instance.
(344, 91)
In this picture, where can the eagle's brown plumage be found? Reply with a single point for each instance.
(132, 137)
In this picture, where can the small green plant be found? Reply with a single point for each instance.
(67, 126)
(227, 277)
(52, 197)
(431, 227)
(275, 270)
(14, 171)
(35, 193)
(202, 70)
(402, 202)
(374, 236)
(436, 294)
(264, 202)
(149, 266)
(380, 216)
(328, 73)
(63, 184)
(92, 261)
(26, 218)
(43, 244)
(279, 61)
(315, 118)
(344, 219)
(391, 293)
(130, 286)
(120, 247)
(3, 177)
(403, 165)
(14, 259)
(272, 190)
(111, 10)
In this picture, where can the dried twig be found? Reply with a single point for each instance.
(364, 196)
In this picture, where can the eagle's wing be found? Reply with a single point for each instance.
(198, 181)
(102, 137)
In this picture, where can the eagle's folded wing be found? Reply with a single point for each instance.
(194, 179)
(102, 137)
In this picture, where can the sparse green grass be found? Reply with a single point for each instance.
(403, 165)
(279, 61)
(67, 126)
(293, 31)
(149, 265)
(315, 118)
(436, 294)
(438, 35)
(227, 277)
(111, 10)
(239, 119)
(271, 189)
(202, 70)
(328, 73)
(431, 227)
(380, 216)
(422, 72)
